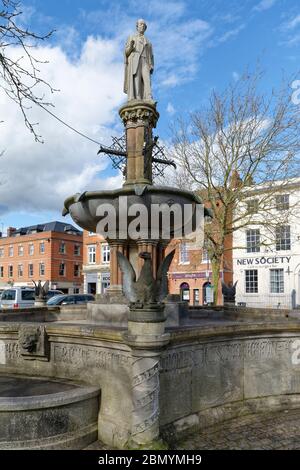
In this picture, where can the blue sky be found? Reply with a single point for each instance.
(198, 45)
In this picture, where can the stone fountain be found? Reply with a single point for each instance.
(90, 209)
(139, 264)
(123, 375)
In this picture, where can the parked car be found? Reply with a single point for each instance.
(69, 299)
(52, 293)
(19, 297)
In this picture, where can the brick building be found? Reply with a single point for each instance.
(52, 251)
(190, 274)
(96, 263)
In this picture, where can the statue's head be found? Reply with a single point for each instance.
(141, 25)
(145, 255)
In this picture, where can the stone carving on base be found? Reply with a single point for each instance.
(229, 292)
(146, 290)
(33, 343)
(41, 292)
(139, 64)
(145, 390)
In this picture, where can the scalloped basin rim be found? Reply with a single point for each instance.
(112, 193)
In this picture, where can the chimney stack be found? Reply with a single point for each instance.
(10, 231)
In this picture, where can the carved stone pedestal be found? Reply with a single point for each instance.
(146, 336)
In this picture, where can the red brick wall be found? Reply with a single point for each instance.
(51, 257)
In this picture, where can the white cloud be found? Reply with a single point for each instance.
(178, 39)
(170, 109)
(264, 5)
(38, 177)
(231, 33)
(293, 23)
(291, 31)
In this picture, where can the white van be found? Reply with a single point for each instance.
(17, 297)
(20, 297)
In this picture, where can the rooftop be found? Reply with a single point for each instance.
(55, 226)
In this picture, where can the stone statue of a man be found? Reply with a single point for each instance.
(139, 64)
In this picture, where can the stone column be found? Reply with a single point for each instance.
(142, 246)
(139, 118)
(145, 397)
(115, 288)
(146, 336)
(153, 250)
(161, 249)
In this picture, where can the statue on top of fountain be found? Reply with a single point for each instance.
(139, 65)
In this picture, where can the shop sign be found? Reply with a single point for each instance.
(264, 260)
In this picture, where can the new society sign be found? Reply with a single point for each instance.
(264, 260)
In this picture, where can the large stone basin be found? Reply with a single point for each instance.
(87, 209)
(41, 413)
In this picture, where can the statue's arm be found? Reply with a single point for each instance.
(129, 47)
(151, 65)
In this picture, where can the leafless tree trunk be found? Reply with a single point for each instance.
(20, 76)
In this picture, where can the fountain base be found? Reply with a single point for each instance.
(38, 413)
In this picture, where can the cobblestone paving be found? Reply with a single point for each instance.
(278, 431)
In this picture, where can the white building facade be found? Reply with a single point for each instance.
(267, 269)
(96, 264)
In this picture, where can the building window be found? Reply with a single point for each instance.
(20, 270)
(11, 251)
(185, 291)
(91, 254)
(253, 241)
(10, 270)
(183, 253)
(30, 270)
(276, 281)
(196, 296)
(31, 249)
(283, 238)
(62, 248)
(251, 279)
(1, 252)
(1, 271)
(77, 250)
(105, 253)
(91, 234)
(62, 269)
(20, 250)
(76, 270)
(252, 206)
(42, 247)
(282, 202)
(42, 269)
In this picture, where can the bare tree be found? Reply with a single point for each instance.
(19, 74)
(239, 152)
